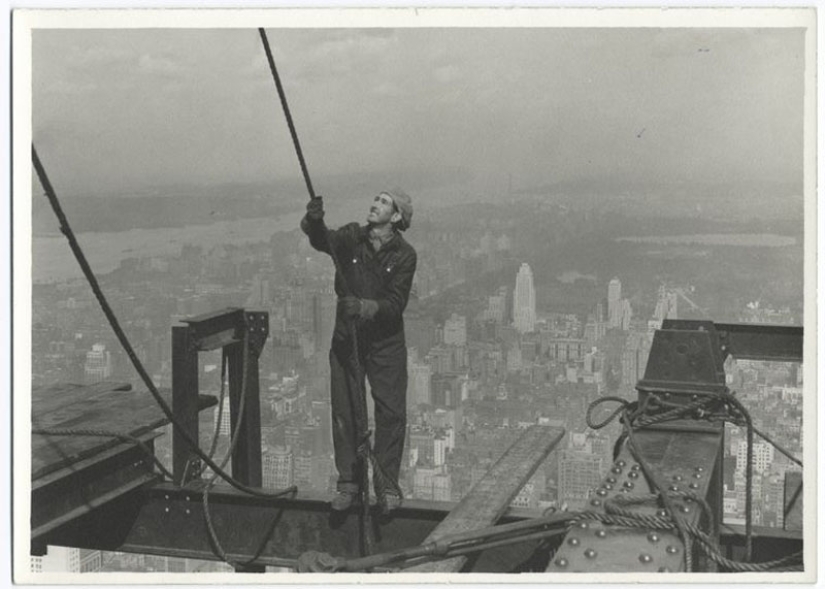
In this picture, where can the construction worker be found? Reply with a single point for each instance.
(373, 285)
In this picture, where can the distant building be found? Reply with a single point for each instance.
(98, 366)
(524, 300)
(432, 483)
(496, 306)
(762, 456)
(278, 468)
(614, 303)
(419, 384)
(580, 471)
(58, 559)
(455, 330)
(666, 305)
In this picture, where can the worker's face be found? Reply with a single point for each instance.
(383, 211)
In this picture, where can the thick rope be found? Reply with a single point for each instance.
(722, 406)
(364, 450)
(66, 229)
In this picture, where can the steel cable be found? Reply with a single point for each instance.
(194, 446)
(723, 406)
(364, 450)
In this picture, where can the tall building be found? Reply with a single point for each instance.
(58, 559)
(419, 384)
(455, 330)
(98, 366)
(580, 472)
(614, 303)
(524, 300)
(666, 305)
(496, 306)
(278, 468)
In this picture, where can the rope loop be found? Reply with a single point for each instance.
(722, 406)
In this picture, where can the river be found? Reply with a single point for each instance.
(52, 260)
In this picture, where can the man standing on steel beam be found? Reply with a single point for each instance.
(378, 266)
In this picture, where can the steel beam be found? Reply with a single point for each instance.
(75, 490)
(775, 343)
(167, 520)
(682, 461)
(184, 403)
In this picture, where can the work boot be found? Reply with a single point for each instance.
(343, 500)
(389, 503)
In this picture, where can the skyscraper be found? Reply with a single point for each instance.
(455, 330)
(614, 303)
(98, 366)
(524, 300)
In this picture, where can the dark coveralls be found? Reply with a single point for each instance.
(385, 277)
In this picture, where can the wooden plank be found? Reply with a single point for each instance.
(51, 398)
(491, 496)
(105, 406)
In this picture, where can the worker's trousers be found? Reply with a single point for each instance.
(385, 367)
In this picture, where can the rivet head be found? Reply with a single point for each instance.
(188, 512)
(684, 509)
(693, 485)
(596, 502)
(574, 541)
(633, 474)
(583, 525)
(608, 486)
(628, 484)
(664, 570)
(635, 467)
(621, 463)
(601, 492)
(616, 470)
(653, 537)
(611, 480)
(601, 534)
(671, 549)
(694, 397)
(674, 487)
(698, 475)
(677, 477)
(645, 558)
(166, 509)
(625, 490)
(590, 553)
(561, 562)
(166, 497)
(661, 512)
(688, 499)
(700, 469)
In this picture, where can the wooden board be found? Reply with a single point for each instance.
(491, 496)
(110, 406)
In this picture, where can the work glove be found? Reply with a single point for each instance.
(350, 307)
(355, 308)
(315, 208)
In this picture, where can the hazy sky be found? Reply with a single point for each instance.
(132, 108)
